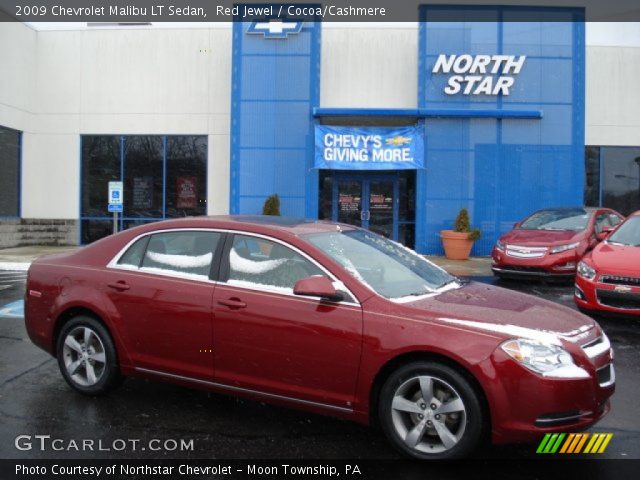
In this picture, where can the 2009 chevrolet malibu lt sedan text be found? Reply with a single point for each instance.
(325, 317)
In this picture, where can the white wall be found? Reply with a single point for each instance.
(139, 81)
(613, 96)
(369, 68)
(17, 74)
(57, 85)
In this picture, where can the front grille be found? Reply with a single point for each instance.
(626, 301)
(517, 251)
(597, 347)
(560, 418)
(618, 280)
(516, 268)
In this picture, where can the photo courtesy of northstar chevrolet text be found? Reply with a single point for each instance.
(368, 239)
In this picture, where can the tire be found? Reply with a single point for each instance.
(87, 357)
(415, 427)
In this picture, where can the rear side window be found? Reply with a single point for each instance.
(133, 256)
(187, 253)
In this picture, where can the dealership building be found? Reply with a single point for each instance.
(393, 127)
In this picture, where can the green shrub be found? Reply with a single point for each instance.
(271, 205)
(463, 225)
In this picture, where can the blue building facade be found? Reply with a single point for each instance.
(500, 103)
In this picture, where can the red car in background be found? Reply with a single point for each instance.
(608, 278)
(550, 243)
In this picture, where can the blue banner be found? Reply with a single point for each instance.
(369, 148)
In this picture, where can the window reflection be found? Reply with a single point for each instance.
(142, 162)
(186, 176)
(9, 172)
(621, 182)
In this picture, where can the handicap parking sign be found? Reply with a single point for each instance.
(115, 194)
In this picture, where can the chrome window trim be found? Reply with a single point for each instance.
(113, 264)
(245, 390)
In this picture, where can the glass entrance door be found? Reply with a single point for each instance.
(368, 202)
(382, 202)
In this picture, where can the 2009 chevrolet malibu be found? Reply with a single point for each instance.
(325, 317)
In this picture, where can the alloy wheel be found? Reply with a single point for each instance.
(84, 356)
(428, 414)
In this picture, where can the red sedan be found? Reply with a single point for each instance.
(549, 243)
(608, 278)
(324, 317)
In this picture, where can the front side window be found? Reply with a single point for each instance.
(257, 262)
(9, 172)
(186, 253)
(627, 234)
(387, 267)
(567, 219)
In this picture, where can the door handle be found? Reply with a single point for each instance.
(232, 303)
(119, 285)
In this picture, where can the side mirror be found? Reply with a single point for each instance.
(604, 233)
(317, 286)
(516, 225)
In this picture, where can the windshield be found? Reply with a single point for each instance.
(557, 220)
(628, 233)
(388, 268)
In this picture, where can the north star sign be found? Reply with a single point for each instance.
(479, 74)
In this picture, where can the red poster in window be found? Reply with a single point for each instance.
(187, 192)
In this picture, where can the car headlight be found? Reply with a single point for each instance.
(587, 271)
(542, 358)
(564, 248)
(500, 245)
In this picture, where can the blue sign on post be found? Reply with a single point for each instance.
(369, 148)
(115, 208)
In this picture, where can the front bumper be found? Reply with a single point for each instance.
(561, 266)
(524, 405)
(606, 297)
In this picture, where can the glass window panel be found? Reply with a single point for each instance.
(100, 165)
(143, 176)
(259, 262)
(186, 176)
(9, 172)
(93, 230)
(621, 182)
(182, 252)
(592, 176)
(133, 256)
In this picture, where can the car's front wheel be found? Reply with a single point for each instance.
(87, 357)
(430, 411)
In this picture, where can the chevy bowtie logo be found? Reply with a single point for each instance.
(275, 28)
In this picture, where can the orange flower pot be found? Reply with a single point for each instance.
(457, 245)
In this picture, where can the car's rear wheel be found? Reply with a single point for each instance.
(87, 357)
(430, 411)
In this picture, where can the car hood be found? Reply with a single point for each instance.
(616, 259)
(505, 313)
(540, 237)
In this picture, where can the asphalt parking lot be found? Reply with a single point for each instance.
(35, 400)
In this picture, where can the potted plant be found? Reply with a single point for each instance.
(458, 242)
(271, 205)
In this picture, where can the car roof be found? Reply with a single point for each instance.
(292, 225)
(570, 209)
